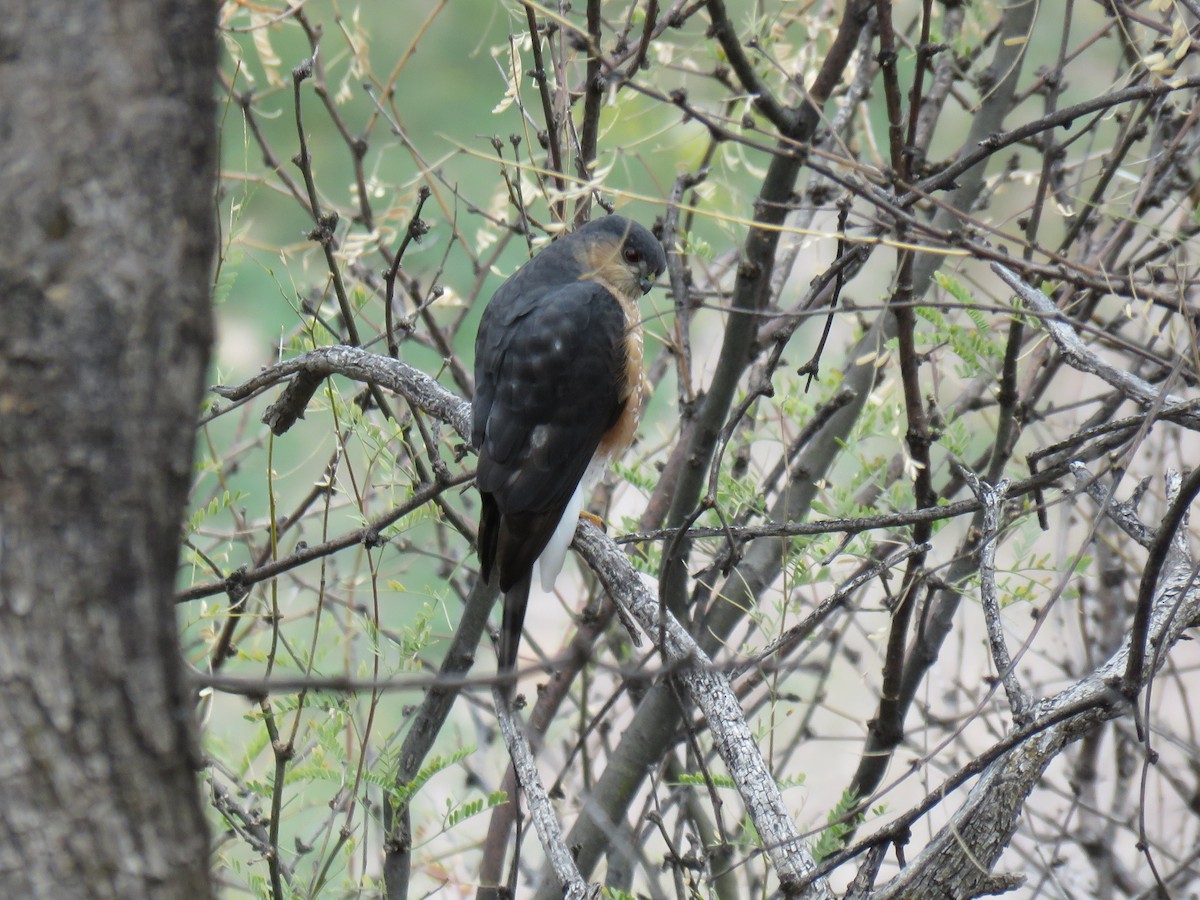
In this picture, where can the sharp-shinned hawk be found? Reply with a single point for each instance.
(558, 391)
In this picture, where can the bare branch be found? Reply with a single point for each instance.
(709, 690)
(540, 809)
(992, 498)
(1079, 356)
(410, 383)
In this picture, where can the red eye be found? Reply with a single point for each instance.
(631, 255)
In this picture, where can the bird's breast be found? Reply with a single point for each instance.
(633, 389)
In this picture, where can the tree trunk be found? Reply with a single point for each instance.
(107, 175)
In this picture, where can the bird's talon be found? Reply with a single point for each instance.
(595, 520)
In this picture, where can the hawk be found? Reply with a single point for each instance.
(558, 390)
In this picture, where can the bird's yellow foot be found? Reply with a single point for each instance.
(595, 520)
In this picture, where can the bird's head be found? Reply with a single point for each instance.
(621, 253)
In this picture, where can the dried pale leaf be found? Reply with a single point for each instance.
(739, 153)
(529, 188)
(512, 76)
(355, 244)
(449, 299)
(261, 33)
(1180, 46)
(911, 467)
(568, 194)
(1156, 62)
(358, 39)
(575, 190)
(234, 49)
(484, 238)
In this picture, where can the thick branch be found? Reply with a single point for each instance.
(710, 691)
(361, 365)
(958, 861)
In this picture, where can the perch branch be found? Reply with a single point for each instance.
(352, 362)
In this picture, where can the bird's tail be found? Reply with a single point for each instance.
(516, 598)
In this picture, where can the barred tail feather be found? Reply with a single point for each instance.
(515, 601)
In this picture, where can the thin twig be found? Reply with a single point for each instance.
(992, 498)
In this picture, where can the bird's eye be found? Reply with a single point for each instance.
(632, 256)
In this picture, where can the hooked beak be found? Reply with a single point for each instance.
(645, 283)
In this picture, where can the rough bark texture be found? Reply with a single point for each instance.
(106, 182)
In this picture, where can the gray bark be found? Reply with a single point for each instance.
(107, 175)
